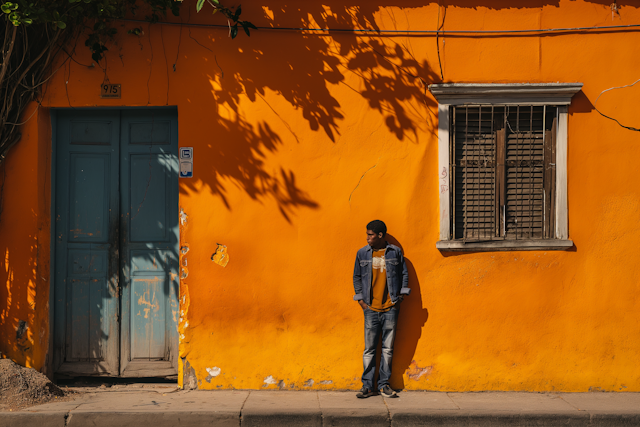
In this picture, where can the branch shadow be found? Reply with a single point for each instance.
(302, 70)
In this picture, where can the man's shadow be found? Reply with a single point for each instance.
(411, 320)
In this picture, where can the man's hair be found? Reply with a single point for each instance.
(377, 226)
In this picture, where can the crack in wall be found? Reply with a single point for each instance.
(361, 178)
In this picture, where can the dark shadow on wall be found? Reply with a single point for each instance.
(412, 318)
(304, 70)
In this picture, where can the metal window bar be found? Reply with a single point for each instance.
(531, 173)
(493, 175)
(476, 212)
(517, 170)
(479, 209)
(466, 144)
(452, 172)
(544, 194)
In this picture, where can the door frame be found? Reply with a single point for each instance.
(49, 363)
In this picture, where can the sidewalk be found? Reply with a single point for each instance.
(167, 406)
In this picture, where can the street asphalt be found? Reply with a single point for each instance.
(168, 406)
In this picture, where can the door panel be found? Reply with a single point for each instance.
(89, 306)
(89, 195)
(148, 320)
(149, 193)
(149, 199)
(86, 242)
(116, 247)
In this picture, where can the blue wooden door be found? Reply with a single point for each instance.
(149, 228)
(116, 243)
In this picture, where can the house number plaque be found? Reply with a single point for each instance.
(108, 90)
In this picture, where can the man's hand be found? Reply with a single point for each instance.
(362, 304)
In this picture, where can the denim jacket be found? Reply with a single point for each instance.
(396, 268)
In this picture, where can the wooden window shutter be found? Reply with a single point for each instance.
(503, 170)
(474, 172)
(550, 180)
(524, 172)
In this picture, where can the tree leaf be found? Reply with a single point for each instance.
(246, 30)
(199, 5)
(234, 31)
(238, 12)
(61, 25)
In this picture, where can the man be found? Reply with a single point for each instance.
(381, 280)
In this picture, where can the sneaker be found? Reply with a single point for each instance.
(387, 391)
(364, 393)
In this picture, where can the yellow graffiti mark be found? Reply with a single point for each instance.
(150, 301)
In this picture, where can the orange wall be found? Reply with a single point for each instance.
(24, 242)
(301, 139)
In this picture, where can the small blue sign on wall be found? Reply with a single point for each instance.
(186, 162)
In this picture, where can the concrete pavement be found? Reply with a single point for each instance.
(167, 406)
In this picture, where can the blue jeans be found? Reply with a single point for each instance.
(376, 324)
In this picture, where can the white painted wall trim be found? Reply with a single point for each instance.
(449, 94)
(562, 213)
(443, 170)
(505, 245)
(505, 93)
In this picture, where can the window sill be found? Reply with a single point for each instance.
(504, 245)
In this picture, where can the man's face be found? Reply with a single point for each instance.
(373, 239)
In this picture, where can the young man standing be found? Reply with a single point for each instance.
(380, 280)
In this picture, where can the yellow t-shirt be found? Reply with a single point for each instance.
(379, 291)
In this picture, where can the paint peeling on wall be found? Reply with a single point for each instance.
(220, 256)
(415, 372)
(183, 323)
(183, 217)
(325, 382)
(213, 372)
(190, 381)
(308, 383)
(269, 381)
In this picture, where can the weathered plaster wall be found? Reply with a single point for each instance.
(301, 139)
(25, 179)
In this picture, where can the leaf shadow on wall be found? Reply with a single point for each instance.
(304, 70)
(17, 317)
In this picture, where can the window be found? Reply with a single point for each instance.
(502, 166)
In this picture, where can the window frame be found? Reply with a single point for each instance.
(470, 94)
